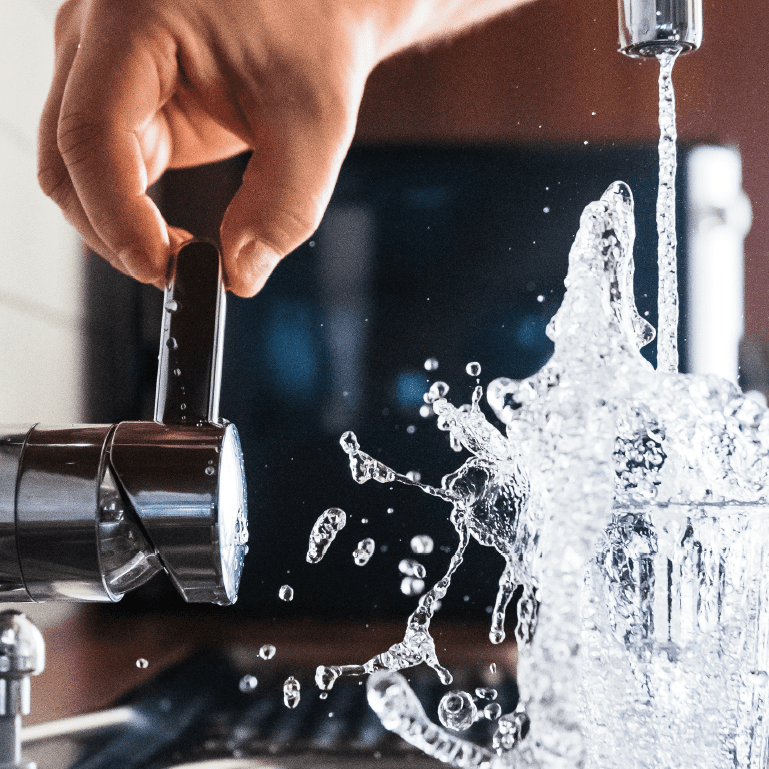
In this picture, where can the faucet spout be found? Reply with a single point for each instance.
(649, 27)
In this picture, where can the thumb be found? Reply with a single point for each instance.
(285, 190)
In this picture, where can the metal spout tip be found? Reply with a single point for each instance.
(648, 28)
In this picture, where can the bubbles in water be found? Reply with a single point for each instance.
(267, 652)
(492, 711)
(325, 529)
(412, 568)
(473, 369)
(431, 364)
(422, 544)
(248, 684)
(364, 551)
(291, 692)
(412, 586)
(457, 711)
(286, 593)
(486, 693)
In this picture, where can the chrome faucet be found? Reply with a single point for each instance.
(648, 27)
(89, 512)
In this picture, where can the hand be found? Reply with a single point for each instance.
(146, 85)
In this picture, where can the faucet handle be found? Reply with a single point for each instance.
(191, 338)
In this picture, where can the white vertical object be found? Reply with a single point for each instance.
(719, 219)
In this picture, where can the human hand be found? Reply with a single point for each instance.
(153, 84)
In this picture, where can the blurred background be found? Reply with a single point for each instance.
(447, 238)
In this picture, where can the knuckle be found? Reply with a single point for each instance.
(53, 181)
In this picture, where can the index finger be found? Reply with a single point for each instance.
(119, 80)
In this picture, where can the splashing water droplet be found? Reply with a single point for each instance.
(325, 677)
(286, 593)
(171, 343)
(142, 663)
(267, 652)
(492, 711)
(425, 411)
(171, 305)
(431, 364)
(210, 470)
(328, 525)
(486, 693)
(177, 372)
(493, 668)
(412, 586)
(414, 475)
(422, 544)
(412, 568)
(473, 369)
(437, 390)
(457, 711)
(364, 551)
(291, 692)
(248, 684)
(390, 510)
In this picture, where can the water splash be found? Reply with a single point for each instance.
(323, 533)
(362, 554)
(457, 710)
(292, 692)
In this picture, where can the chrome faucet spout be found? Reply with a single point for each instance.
(649, 27)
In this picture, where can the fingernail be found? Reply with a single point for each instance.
(254, 264)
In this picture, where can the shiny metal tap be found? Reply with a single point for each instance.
(22, 654)
(88, 513)
(649, 27)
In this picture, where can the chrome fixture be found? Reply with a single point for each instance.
(648, 27)
(22, 654)
(89, 512)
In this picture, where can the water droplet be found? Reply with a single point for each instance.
(411, 429)
(364, 520)
(286, 593)
(486, 693)
(390, 510)
(457, 711)
(171, 305)
(412, 586)
(493, 668)
(422, 544)
(546, 210)
(210, 470)
(323, 533)
(267, 652)
(247, 684)
(364, 551)
(323, 696)
(325, 677)
(171, 343)
(431, 364)
(492, 711)
(425, 411)
(414, 475)
(291, 692)
(473, 369)
(412, 568)
(177, 372)
(437, 390)
(183, 406)
(142, 663)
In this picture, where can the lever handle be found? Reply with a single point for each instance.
(191, 338)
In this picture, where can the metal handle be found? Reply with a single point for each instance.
(191, 338)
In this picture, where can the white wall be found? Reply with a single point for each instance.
(40, 260)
